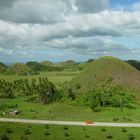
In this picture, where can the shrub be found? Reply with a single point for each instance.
(66, 134)
(109, 137)
(9, 130)
(47, 133)
(115, 119)
(27, 132)
(23, 138)
(65, 128)
(96, 109)
(131, 136)
(107, 95)
(87, 136)
(46, 126)
(103, 129)
(124, 130)
(84, 129)
(4, 137)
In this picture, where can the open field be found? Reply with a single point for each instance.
(57, 78)
(63, 111)
(52, 132)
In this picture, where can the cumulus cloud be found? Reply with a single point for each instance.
(80, 27)
(36, 11)
(91, 6)
(6, 3)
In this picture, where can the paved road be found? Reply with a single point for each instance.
(107, 124)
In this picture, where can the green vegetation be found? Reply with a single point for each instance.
(52, 132)
(2, 67)
(66, 64)
(134, 63)
(19, 69)
(108, 95)
(96, 72)
(46, 63)
(67, 111)
(42, 91)
(35, 66)
(99, 92)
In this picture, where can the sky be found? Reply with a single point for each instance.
(59, 30)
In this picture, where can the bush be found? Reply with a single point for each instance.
(124, 130)
(115, 119)
(131, 136)
(27, 132)
(103, 129)
(96, 109)
(9, 130)
(109, 137)
(23, 138)
(107, 95)
(87, 136)
(46, 126)
(66, 134)
(4, 137)
(47, 133)
(65, 128)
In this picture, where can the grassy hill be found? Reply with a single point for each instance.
(2, 67)
(83, 65)
(94, 74)
(66, 64)
(35, 66)
(46, 63)
(19, 69)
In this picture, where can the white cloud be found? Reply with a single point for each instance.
(136, 6)
(91, 6)
(73, 25)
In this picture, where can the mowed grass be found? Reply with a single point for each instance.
(65, 111)
(53, 132)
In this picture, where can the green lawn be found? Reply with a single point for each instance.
(46, 132)
(63, 111)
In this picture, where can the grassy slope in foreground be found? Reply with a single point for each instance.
(37, 132)
(121, 72)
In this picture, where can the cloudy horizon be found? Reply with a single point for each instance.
(59, 30)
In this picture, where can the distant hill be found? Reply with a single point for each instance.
(2, 67)
(46, 63)
(134, 63)
(94, 74)
(19, 69)
(35, 66)
(66, 64)
(83, 65)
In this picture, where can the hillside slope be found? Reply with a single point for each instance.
(2, 67)
(94, 74)
(65, 64)
(19, 69)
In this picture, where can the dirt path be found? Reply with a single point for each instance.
(107, 124)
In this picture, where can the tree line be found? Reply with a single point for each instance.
(42, 90)
(106, 94)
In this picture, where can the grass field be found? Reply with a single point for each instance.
(46, 132)
(58, 78)
(63, 111)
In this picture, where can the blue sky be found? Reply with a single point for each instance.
(113, 3)
(59, 30)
